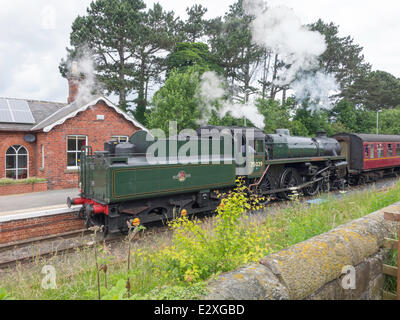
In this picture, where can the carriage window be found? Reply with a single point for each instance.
(380, 150)
(366, 151)
(390, 150)
(398, 149)
(372, 153)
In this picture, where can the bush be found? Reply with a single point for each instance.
(4, 182)
(198, 252)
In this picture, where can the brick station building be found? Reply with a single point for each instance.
(44, 139)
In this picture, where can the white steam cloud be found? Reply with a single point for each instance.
(212, 93)
(280, 31)
(84, 68)
(317, 88)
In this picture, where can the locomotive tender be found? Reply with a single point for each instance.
(121, 183)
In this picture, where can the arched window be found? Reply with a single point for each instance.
(17, 161)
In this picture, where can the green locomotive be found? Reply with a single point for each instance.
(155, 179)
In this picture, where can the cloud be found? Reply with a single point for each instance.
(37, 33)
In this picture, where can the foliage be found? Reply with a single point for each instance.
(188, 54)
(391, 259)
(176, 101)
(108, 29)
(312, 120)
(197, 253)
(389, 121)
(353, 119)
(231, 42)
(195, 26)
(126, 42)
(5, 182)
(276, 116)
(343, 58)
(382, 91)
(4, 295)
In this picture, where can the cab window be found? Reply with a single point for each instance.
(259, 146)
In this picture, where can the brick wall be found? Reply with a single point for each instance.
(19, 230)
(23, 188)
(8, 139)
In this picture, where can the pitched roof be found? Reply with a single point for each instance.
(50, 114)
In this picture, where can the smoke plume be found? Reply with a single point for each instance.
(280, 31)
(84, 67)
(212, 94)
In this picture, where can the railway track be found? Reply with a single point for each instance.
(15, 254)
(18, 252)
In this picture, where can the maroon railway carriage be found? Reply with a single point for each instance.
(370, 156)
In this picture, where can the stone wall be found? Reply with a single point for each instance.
(313, 269)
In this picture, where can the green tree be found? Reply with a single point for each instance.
(195, 26)
(176, 101)
(276, 116)
(109, 29)
(312, 120)
(231, 42)
(158, 34)
(186, 55)
(389, 121)
(344, 58)
(382, 91)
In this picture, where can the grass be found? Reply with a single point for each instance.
(391, 282)
(177, 265)
(5, 182)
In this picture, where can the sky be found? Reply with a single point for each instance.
(34, 35)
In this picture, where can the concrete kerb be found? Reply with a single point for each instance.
(37, 213)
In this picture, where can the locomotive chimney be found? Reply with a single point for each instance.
(321, 134)
(74, 80)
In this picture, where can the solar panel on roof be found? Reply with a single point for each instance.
(5, 113)
(22, 112)
(15, 111)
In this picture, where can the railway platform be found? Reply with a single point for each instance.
(37, 215)
(35, 204)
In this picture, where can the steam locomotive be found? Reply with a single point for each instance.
(156, 179)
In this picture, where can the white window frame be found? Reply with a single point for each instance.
(118, 138)
(75, 151)
(42, 150)
(16, 161)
